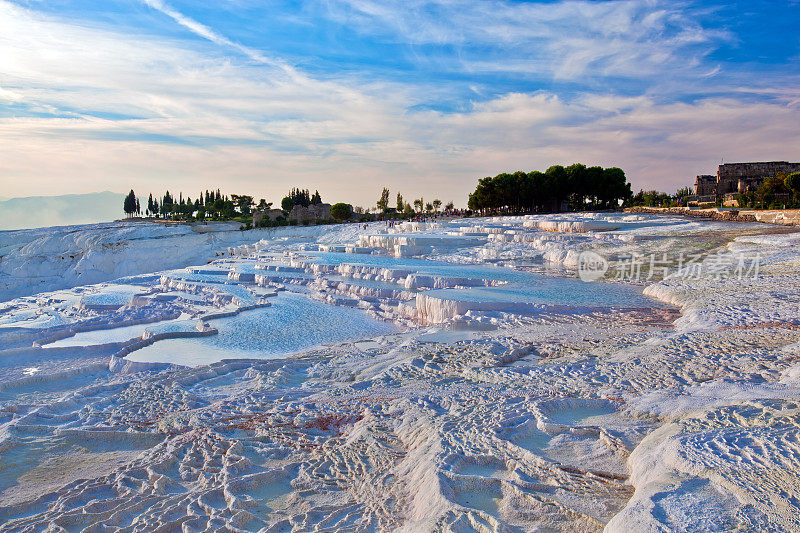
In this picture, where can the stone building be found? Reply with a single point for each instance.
(705, 185)
(747, 177)
(270, 214)
(737, 178)
(312, 213)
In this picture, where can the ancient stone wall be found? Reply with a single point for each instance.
(705, 185)
(744, 177)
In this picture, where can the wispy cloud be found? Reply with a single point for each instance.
(567, 39)
(90, 108)
(215, 37)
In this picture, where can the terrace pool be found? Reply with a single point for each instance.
(292, 324)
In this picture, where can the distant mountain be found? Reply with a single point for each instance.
(69, 209)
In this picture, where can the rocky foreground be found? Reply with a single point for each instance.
(678, 414)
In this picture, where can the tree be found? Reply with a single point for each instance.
(616, 187)
(218, 205)
(166, 204)
(576, 185)
(400, 204)
(129, 204)
(593, 182)
(383, 201)
(555, 184)
(243, 202)
(418, 203)
(771, 186)
(792, 182)
(316, 199)
(341, 211)
(264, 205)
(296, 197)
(449, 207)
(437, 204)
(536, 191)
(428, 207)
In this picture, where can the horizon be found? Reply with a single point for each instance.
(350, 96)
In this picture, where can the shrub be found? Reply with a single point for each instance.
(341, 211)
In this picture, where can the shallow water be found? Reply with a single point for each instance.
(292, 324)
(101, 336)
(523, 287)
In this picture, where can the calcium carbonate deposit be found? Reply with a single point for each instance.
(542, 373)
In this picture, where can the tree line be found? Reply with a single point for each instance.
(300, 197)
(213, 205)
(574, 188)
(208, 204)
(406, 210)
(775, 192)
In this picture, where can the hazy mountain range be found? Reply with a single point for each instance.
(43, 211)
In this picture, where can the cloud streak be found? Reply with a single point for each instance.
(204, 31)
(93, 109)
(567, 40)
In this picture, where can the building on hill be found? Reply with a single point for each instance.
(739, 178)
(705, 185)
(312, 213)
(270, 214)
(747, 177)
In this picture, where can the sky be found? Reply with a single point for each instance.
(423, 97)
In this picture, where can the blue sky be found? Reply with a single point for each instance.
(424, 97)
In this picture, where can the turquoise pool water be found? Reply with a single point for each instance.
(293, 324)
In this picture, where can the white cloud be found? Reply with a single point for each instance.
(111, 108)
(568, 39)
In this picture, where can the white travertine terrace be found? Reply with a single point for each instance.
(453, 376)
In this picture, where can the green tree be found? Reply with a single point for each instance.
(129, 204)
(581, 186)
(287, 203)
(418, 203)
(316, 199)
(218, 205)
(383, 201)
(243, 202)
(400, 204)
(772, 186)
(437, 204)
(792, 182)
(341, 211)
